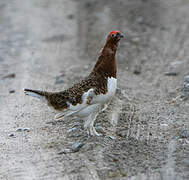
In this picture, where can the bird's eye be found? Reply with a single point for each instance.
(113, 35)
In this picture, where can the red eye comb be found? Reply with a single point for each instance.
(113, 32)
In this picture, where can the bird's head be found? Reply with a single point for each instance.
(114, 37)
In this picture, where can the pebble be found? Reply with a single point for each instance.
(77, 146)
(118, 91)
(137, 69)
(72, 129)
(173, 68)
(112, 137)
(184, 133)
(26, 129)
(23, 129)
(171, 73)
(19, 130)
(12, 91)
(11, 135)
(11, 75)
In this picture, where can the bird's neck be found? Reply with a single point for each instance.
(106, 63)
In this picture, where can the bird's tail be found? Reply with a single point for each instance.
(35, 93)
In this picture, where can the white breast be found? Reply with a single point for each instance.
(104, 98)
(112, 85)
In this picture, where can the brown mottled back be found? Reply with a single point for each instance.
(74, 94)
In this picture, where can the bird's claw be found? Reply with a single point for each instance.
(92, 131)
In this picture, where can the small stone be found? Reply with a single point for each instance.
(137, 69)
(11, 135)
(12, 91)
(11, 75)
(184, 133)
(174, 68)
(26, 129)
(118, 91)
(19, 130)
(23, 129)
(186, 79)
(112, 137)
(171, 73)
(72, 129)
(77, 146)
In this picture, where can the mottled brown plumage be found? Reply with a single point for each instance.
(74, 94)
(97, 79)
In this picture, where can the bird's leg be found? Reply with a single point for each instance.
(89, 125)
(104, 107)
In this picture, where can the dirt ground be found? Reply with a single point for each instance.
(49, 45)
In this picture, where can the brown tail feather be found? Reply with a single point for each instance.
(41, 93)
(35, 93)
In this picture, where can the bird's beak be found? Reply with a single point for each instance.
(121, 36)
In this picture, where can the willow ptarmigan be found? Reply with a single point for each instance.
(91, 95)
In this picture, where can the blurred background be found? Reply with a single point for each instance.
(50, 45)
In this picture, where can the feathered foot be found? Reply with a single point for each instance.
(89, 125)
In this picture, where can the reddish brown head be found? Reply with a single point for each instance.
(106, 63)
(114, 37)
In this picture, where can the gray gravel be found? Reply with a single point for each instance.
(49, 45)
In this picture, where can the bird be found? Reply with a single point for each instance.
(90, 96)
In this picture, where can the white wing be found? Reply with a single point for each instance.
(73, 110)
